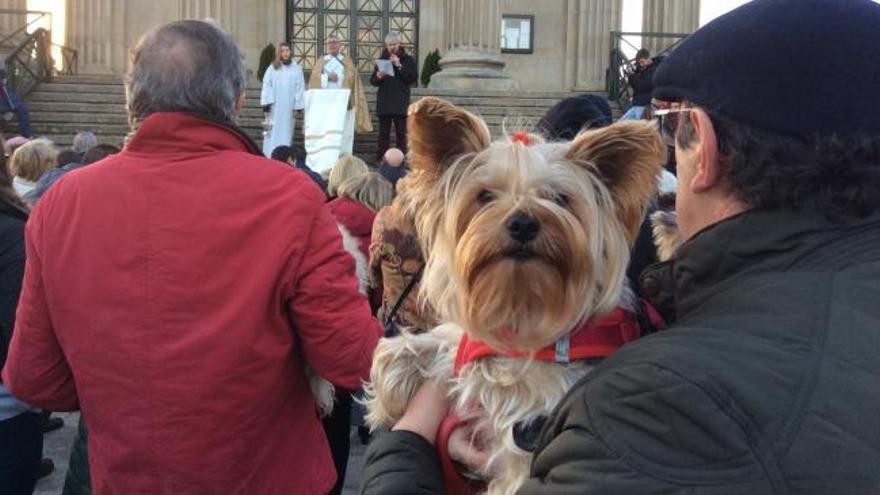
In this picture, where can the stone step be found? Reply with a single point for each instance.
(61, 108)
(97, 103)
(533, 103)
(251, 117)
(92, 84)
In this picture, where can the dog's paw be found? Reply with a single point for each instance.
(400, 365)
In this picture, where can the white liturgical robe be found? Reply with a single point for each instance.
(283, 89)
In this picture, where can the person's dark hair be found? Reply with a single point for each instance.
(299, 153)
(99, 152)
(839, 176)
(568, 117)
(68, 156)
(643, 53)
(184, 66)
(278, 60)
(282, 153)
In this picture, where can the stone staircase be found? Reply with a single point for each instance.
(96, 103)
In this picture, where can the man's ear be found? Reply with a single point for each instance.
(239, 103)
(707, 173)
(439, 131)
(627, 156)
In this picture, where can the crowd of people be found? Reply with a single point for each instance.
(212, 306)
(28, 169)
(333, 116)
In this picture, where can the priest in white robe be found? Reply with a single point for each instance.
(282, 99)
(329, 135)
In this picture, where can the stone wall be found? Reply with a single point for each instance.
(544, 68)
(571, 43)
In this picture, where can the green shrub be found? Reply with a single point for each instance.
(431, 66)
(267, 56)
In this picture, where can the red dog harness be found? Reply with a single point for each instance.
(595, 339)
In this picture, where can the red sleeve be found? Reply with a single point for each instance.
(331, 317)
(36, 370)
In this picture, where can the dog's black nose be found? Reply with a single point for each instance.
(522, 227)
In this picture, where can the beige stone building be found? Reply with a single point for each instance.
(530, 45)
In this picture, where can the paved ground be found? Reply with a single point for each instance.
(58, 443)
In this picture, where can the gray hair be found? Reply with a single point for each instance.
(392, 37)
(185, 66)
(84, 141)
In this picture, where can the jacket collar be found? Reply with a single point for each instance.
(765, 242)
(174, 132)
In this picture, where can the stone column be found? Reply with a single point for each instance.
(219, 10)
(588, 37)
(11, 22)
(472, 58)
(97, 30)
(668, 16)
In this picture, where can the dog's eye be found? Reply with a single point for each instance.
(485, 197)
(561, 199)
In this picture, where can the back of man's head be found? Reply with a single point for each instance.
(785, 137)
(185, 66)
(568, 117)
(99, 152)
(68, 156)
(643, 54)
(282, 154)
(84, 141)
(393, 157)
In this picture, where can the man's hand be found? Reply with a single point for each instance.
(332, 76)
(425, 411)
(395, 60)
(380, 75)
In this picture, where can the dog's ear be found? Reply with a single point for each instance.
(439, 131)
(628, 156)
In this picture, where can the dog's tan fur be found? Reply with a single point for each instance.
(588, 196)
(667, 236)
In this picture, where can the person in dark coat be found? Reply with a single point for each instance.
(572, 115)
(393, 166)
(393, 97)
(11, 104)
(641, 82)
(21, 433)
(768, 381)
(296, 157)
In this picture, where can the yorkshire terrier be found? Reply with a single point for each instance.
(527, 244)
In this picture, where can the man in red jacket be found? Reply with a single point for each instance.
(176, 292)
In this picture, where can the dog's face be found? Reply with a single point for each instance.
(525, 239)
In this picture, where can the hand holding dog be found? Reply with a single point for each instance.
(425, 411)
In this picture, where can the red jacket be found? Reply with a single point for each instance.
(357, 219)
(175, 293)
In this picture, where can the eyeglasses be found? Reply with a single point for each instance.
(667, 122)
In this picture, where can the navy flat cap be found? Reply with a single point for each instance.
(799, 67)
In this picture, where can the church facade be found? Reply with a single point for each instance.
(551, 45)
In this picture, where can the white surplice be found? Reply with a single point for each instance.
(325, 122)
(284, 89)
(335, 63)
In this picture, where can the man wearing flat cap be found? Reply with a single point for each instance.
(769, 380)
